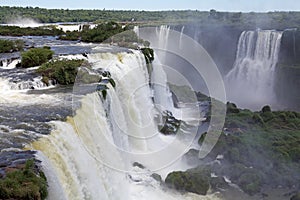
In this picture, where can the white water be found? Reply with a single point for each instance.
(181, 34)
(92, 153)
(35, 83)
(10, 65)
(162, 33)
(136, 30)
(162, 94)
(9, 95)
(251, 81)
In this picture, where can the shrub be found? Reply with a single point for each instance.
(257, 119)
(24, 184)
(7, 46)
(36, 56)
(232, 108)
(266, 109)
(250, 182)
(63, 71)
(196, 180)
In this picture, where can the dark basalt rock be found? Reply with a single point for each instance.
(139, 165)
(157, 177)
(170, 124)
(296, 196)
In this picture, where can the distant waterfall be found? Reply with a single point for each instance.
(181, 34)
(250, 83)
(162, 33)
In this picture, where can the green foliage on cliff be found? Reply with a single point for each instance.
(8, 46)
(36, 56)
(260, 148)
(196, 180)
(62, 71)
(101, 32)
(38, 31)
(24, 183)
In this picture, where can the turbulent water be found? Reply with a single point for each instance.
(251, 81)
(91, 155)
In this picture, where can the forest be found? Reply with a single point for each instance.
(249, 20)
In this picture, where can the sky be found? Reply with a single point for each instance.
(220, 5)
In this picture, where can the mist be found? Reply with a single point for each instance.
(23, 22)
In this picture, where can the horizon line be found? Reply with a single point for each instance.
(143, 10)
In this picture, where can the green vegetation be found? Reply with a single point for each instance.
(108, 32)
(280, 20)
(36, 56)
(195, 180)
(8, 46)
(24, 184)
(113, 33)
(102, 32)
(260, 149)
(62, 71)
(39, 31)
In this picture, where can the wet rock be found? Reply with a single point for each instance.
(296, 196)
(170, 124)
(219, 183)
(156, 177)
(139, 165)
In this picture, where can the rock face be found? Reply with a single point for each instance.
(219, 41)
(221, 44)
(296, 196)
(170, 124)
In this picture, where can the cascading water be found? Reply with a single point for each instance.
(162, 94)
(90, 152)
(250, 83)
(181, 33)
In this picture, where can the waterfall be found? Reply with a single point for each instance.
(136, 30)
(181, 33)
(162, 33)
(162, 94)
(250, 83)
(92, 153)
